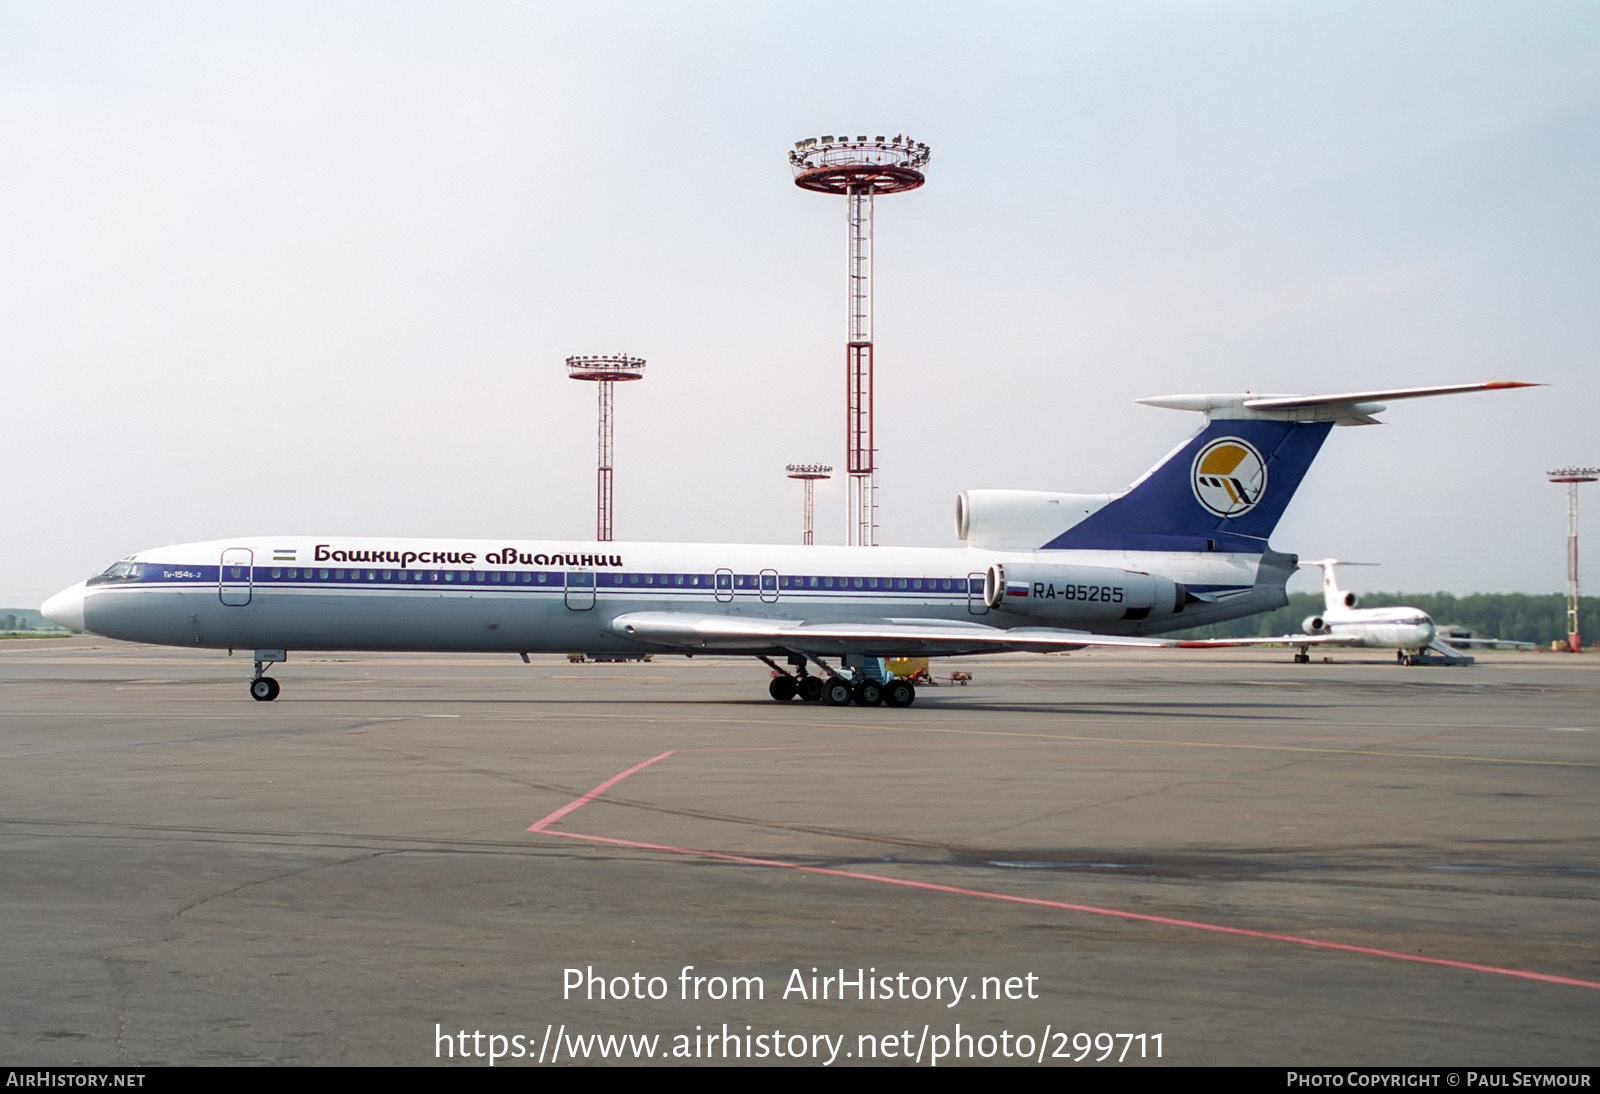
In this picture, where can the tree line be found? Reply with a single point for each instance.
(1517, 617)
(21, 619)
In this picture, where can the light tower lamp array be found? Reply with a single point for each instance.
(809, 473)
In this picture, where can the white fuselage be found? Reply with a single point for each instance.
(333, 593)
(1383, 628)
(1394, 628)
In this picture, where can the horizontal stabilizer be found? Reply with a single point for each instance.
(1348, 408)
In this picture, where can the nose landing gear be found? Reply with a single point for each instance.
(263, 688)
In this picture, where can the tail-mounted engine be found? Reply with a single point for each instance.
(1020, 520)
(1314, 624)
(1079, 594)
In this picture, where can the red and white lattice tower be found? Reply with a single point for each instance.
(605, 371)
(859, 168)
(1573, 476)
(809, 473)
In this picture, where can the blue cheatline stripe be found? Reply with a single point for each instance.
(543, 581)
(792, 585)
(555, 581)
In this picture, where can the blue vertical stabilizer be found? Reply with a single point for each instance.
(1224, 490)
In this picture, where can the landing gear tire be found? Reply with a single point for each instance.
(836, 693)
(263, 689)
(868, 693)
(810, 688)
(900, 694)
(1302, 657)
(783, 688)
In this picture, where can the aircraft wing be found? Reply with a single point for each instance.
(882, 637)
(1281, 640)
(1485, 643)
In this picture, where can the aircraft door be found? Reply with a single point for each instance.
(722, 582)
(769, 586)
(233, 576)
(580, 590)
(975, 604)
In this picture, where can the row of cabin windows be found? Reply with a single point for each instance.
(765, 582)
(523, 577)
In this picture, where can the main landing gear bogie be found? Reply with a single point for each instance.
(899, 693)
(809, 689)
(836, 691)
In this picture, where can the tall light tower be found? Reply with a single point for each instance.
(809, 473)
(858, 169)
(1572, 476)
(605, 371)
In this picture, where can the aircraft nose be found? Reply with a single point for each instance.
(66, 607)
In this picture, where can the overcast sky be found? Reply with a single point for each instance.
(274, 268)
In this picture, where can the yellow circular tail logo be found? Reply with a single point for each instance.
(1229, 477)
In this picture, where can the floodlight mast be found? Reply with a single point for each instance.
(809, 473)
(858, 169)
(604, 371)
(1573, 477)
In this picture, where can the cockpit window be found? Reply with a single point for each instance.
(121, 570)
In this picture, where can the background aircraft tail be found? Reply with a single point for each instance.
(1333, 597)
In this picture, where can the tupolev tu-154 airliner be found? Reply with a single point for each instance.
(1410, 632)
(1183, 546)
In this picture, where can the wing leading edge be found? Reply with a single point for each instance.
(1281, 640)
(749, 634)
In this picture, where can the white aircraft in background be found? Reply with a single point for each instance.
(1410, 632)
(1185, 545)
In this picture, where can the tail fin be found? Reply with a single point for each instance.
(1223, 490)
(1227, 486)
(1334, 598)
